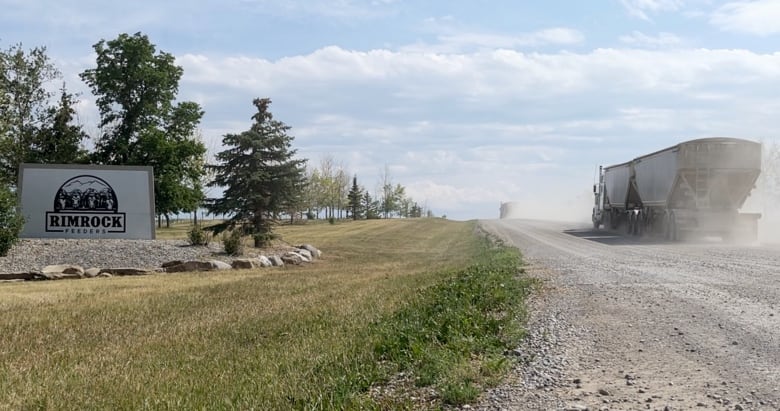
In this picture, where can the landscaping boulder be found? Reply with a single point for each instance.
(315, 252)
(293, 258)
(184, 266)
(172, 263)
(305, 253)
(92, 272)
(245, 263)
(17, 276)
(219, 265)
(195, 265)
(265, 261)
(63, 269)
(125, 271)
(276, 261)
(59, 276)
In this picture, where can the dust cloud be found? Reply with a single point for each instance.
(766, 194)
(760, 201)
(573, 209)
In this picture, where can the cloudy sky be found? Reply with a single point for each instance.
(467, 103)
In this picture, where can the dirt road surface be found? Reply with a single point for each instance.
(640, 324)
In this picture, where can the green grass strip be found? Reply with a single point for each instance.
(452, 337)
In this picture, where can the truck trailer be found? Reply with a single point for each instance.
(695, 187)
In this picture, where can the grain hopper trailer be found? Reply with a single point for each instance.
(697, 186)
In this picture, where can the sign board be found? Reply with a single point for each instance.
(87, 201)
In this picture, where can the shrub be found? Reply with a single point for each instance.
(199, 236)
(231, 242)
(331, 220)
(263, 239)
(11, 220)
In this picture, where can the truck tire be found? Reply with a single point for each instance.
(666, 226)
(639, 223)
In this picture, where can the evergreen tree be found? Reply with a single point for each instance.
(60, 141)
(355, 196)
(259, 175)
(416, 211)
(370, 206)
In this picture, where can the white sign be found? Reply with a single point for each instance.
(87, 201)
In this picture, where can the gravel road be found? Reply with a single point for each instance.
(639, 324)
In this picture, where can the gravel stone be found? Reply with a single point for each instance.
(34, 254)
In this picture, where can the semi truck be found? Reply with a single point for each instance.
(695, 187)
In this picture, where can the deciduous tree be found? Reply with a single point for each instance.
(136, 87)
(29, 126)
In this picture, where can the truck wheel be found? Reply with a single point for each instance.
(666, 226)
(639, 224)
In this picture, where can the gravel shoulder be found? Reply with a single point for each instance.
(637, 324)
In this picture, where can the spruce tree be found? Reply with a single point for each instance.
(355, 197)
(259, 175)
(370, 206)
(60, 141)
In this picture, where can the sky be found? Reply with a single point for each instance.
(467, 104)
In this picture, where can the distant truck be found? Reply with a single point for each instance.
(695, 187)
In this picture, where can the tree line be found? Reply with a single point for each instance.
(142, 123)
(333, 194)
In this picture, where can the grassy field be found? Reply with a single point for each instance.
(389, 295)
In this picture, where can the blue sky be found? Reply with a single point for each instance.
(467, 103)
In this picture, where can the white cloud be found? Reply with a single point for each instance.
(639, 39)
(552, 36)
(759, 17)
(642, 8)
(501, 75)
(451, 38)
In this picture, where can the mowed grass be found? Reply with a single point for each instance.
(308, 337)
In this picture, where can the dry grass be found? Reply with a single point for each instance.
(262, 339)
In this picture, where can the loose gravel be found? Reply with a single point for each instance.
(34, 254)
(638, 324)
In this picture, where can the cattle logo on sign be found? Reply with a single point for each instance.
(85, 204)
